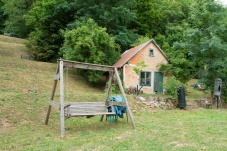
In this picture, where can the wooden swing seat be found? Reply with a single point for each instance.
(89, 109)
(75, 109)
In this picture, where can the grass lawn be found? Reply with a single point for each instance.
(22, 115)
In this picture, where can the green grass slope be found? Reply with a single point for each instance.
(22, 115)
(19, 110)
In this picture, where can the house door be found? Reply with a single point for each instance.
(158, 82)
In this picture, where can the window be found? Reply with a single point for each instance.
(151, 52)
(145, 78)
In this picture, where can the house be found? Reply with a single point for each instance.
(150, 77)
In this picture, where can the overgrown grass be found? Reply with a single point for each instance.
(12, 40)
(195, 94)
(22, 115)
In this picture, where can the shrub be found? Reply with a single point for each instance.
(115, 88)
(171, 87)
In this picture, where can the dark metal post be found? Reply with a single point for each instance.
(217, 89)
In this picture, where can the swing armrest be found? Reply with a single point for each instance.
(111, 103)
(68, 105)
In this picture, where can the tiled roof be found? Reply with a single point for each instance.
(128, 54)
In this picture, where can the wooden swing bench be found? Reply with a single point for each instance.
(89, 109)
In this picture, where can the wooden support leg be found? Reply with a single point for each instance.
(127, 115)
(62, 105)
(101, 119)
(126, 101)
(48, 115)
(109, 90)
(52, 96)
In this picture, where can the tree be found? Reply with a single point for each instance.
(48, 19)
(149, 18)
(15, 23)
(52, 16)
(92, 44)
(205, 42)
(2, 17)
(176, 19)
(179, 66)
(140, 40)
(115, 16)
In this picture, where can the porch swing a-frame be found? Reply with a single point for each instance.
(75, 109)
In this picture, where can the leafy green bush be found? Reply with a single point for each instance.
(91, 44)
(171, 87)
(115, 88)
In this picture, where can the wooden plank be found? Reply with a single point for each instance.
(54, 104)
(62, 105)
(111, 103)
(87, 103)
(87, 109)
(89, 114)
(80, 107)
(91, 106)
(124, 96)
(82, 65)
(56, 77)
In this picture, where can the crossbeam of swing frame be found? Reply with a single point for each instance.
(89, 66)
(74, 64)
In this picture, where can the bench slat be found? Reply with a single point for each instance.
(87, 114)
(86, 103)
(87, 106)
(87, 109)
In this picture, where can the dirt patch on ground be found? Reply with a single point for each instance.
(5, 124)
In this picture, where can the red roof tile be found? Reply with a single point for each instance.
(128, 54)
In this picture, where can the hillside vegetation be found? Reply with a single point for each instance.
(22, 114)
(19, 109)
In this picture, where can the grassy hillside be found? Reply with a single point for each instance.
(22, 115)
(19, 110)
